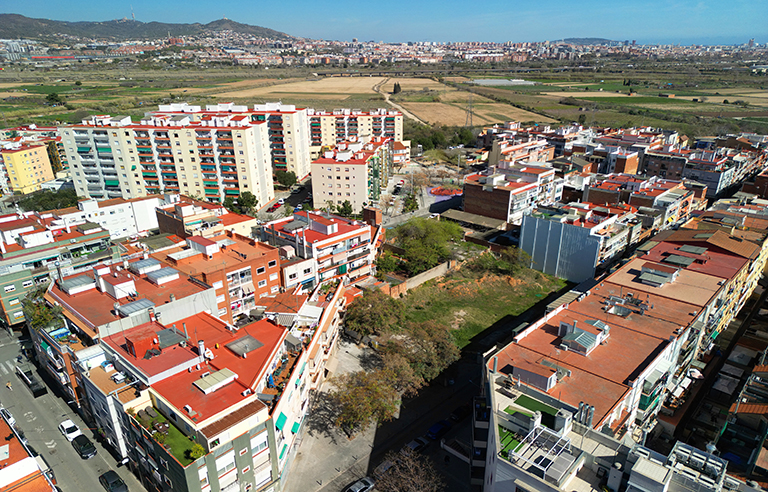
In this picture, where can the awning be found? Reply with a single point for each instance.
(281, 421)
(331, 365)
(282, 452)
(295, 428)
(83, 149)
(111, 182)
(44, 346)
(247, 289)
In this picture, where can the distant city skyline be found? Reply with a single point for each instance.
(651, 22)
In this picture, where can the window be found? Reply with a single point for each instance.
(259, 443)
(27, 284)
(293, 276)
(262, 283)
(307, 271)
(246, 469)
(218, 285)
(272, 263)
(243, 451)
(10, 288)
(14, 301)
(274, 289)
(273, 277)
(260, 270)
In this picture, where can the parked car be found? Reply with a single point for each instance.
(112, 482)
(438, 430)
(281, 201)
(415, 446)
(363, 485)
(69, 429)
(24, 372)
(460, 413)
(84, 447)
(7, 416)
(298, 209)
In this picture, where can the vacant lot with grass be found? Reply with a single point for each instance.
(472, 304)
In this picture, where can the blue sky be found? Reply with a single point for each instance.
(650, 21)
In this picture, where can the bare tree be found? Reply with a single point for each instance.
(410, 473)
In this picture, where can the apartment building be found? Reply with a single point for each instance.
(110, 298)
(21, 469)
(329, 128)
(184, 217)
(604, 360)
(242, 271)
(34, 133)
(25, 167)
(509, 192)
(286, 126)
(203, 405)
(31, 252)
(509, 150)
(572, 241)
(121, 217)
(352, 171)
(219, 155)
(338, 246)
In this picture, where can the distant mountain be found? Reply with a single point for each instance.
(13, 26)
(589, 41)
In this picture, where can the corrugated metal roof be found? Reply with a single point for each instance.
(162, 273)
(135, 307)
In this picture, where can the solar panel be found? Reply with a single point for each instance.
(73, 283)
(135, 307)
(162, 273)
(652, 278)
(244, 345)
(142, 266)
(683, 261)
(697, 250)
(168, 337)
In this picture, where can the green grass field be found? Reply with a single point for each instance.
(463, 302)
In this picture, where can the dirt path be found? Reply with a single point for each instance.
(405, 112)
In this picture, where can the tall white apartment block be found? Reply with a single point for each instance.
(212, 156)
(328, 128)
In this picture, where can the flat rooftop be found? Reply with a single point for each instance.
(180, 390)
(97, 307)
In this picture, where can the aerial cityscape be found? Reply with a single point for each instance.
(436, 247)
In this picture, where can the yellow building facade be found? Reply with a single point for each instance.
(27, 167)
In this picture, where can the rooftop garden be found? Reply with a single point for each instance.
(183, 448)
(509, 441)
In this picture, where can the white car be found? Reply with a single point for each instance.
(281, 201)
(7, 416)
(69, 429)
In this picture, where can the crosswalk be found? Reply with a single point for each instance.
(11, 367)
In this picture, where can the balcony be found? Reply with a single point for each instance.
(165, 433)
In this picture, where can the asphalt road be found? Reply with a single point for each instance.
(39, 418)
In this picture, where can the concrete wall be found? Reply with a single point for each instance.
(438, 271)
(562, 250)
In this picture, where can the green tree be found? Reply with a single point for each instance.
(345, 209)
(53, 98)
(48, 200)
(285, 178)
(396, 89)
(247, 202)
(78, 83)
(374, 313)
(229, 204)
(362, 398)
(426, 242)
(197, 451)
(386, 263)
(37, 312)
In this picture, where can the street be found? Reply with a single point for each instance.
(38, 418)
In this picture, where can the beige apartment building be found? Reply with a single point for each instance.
(353, 171)
(328, 128)
(213, 156)
(24, 167)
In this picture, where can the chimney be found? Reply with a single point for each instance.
(184, 325)
(173, 297)
(151, 312)
(125, 264)
(116, 306)
(580, 413)
(590, 415)
(201, 350)
(495, 363)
